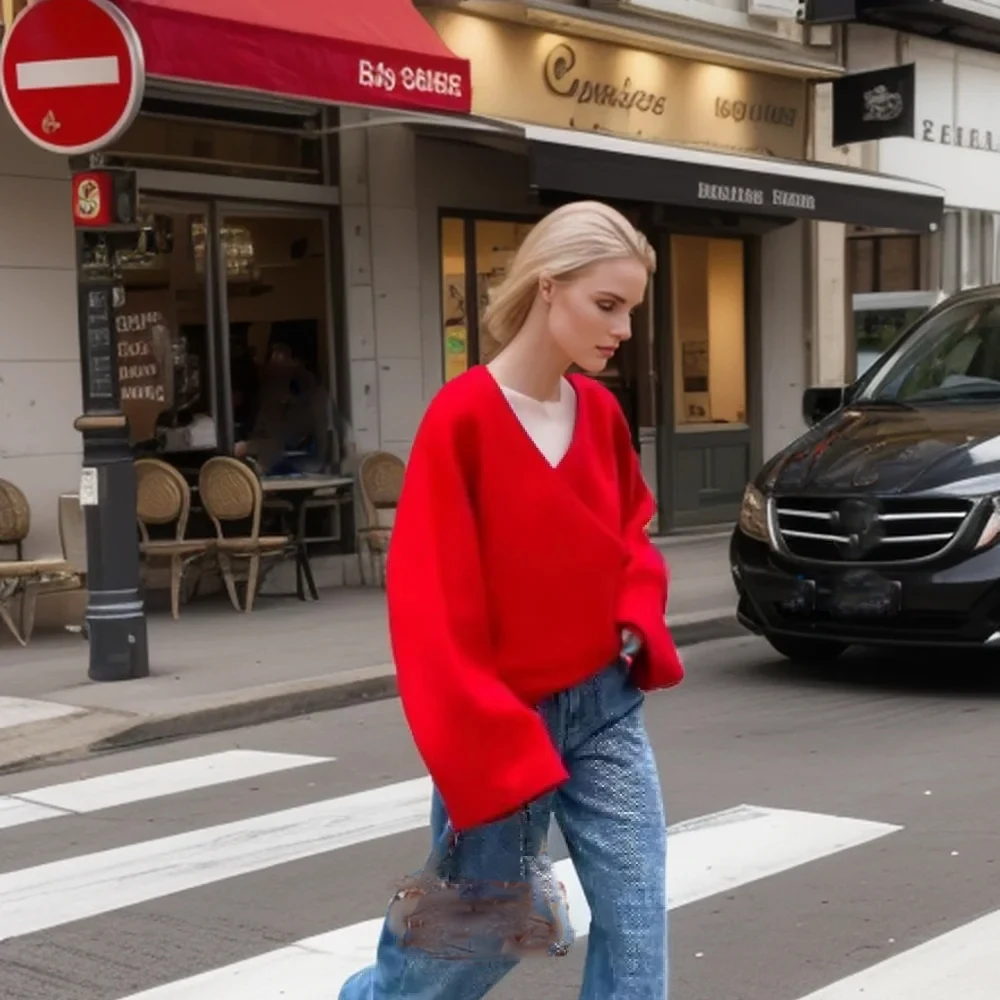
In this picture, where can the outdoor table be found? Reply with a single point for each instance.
(299, 490)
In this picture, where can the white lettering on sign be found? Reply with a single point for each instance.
(793, 199)
(136, 323)
(960, 135)
(735, 194)
(151, 393)
(378, 76)
(129, 373)
(730, 193)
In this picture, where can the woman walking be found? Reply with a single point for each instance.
(526, 611)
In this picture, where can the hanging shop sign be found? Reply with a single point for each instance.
(525, 75)
(876, 105)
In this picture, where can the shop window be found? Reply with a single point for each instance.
(898, 264)
(483, 248)
(454, 309)
(709, 323)
(886, 283)
(172, 135)
(861, 260)
(496, 244)
(278, 346)
(884, 264)
(223, 336)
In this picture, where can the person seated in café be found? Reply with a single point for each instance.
(290, 434)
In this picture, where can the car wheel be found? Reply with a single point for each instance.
(816, 650)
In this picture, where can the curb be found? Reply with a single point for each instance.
(281, 701)
(271, 703)
(275, 703)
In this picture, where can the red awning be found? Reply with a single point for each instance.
(375, 53)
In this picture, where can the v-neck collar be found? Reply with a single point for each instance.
(522, 431)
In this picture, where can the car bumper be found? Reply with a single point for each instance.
(953, 605)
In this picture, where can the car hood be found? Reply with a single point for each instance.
(892, 449)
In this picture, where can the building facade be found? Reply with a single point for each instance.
(39, 347)
(955, 146)
(368, 240)
(718, 154)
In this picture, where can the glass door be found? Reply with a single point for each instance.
(277, 353)
(702, 321)
(165, 331)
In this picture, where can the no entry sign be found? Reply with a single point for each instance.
(72, 75)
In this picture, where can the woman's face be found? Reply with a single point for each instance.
(590, 315)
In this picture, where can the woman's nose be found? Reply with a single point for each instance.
(622, 329)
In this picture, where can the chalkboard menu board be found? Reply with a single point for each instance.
(144, 328)
(98, 343)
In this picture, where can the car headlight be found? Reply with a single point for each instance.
(991, 530)
(753, 514)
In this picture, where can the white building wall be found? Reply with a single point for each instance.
(40, 393)
(378, 192)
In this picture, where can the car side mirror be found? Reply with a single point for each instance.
(819, 401)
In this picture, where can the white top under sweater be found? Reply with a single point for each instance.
(548, 424)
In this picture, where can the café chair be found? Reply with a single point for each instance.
(164, 497)
(230, 492)
(381, 480)
(22, 579)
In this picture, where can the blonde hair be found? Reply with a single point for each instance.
(566, 241)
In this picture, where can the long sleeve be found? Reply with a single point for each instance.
(643, 604)
(488, 752)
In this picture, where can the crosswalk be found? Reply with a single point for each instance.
(709, 856)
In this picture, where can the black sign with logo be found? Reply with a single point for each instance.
(876, 105)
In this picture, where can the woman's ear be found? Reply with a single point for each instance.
(546, 286)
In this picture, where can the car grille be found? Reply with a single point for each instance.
(839, 529)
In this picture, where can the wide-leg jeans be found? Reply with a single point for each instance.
(611, 815)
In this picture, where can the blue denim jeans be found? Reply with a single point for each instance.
(611, 815)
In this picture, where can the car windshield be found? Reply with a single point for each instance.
(952, 357)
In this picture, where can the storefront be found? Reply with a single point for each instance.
(896, 275)
(240, 246)
(710, 161)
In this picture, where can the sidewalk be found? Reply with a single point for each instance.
(215, 669)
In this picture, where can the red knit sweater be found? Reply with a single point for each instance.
(509, 580)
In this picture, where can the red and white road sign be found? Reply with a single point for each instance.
(72, 74)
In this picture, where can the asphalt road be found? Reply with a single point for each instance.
(877, 792)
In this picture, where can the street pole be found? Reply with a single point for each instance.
(116, 619)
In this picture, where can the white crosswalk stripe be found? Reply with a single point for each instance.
(710, 856)
(961, 965)
(49, 895)
(141, 784)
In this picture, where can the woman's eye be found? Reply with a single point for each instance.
(606, 306)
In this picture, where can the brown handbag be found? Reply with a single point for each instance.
(469, 919)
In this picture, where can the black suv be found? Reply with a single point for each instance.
(880, 525)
